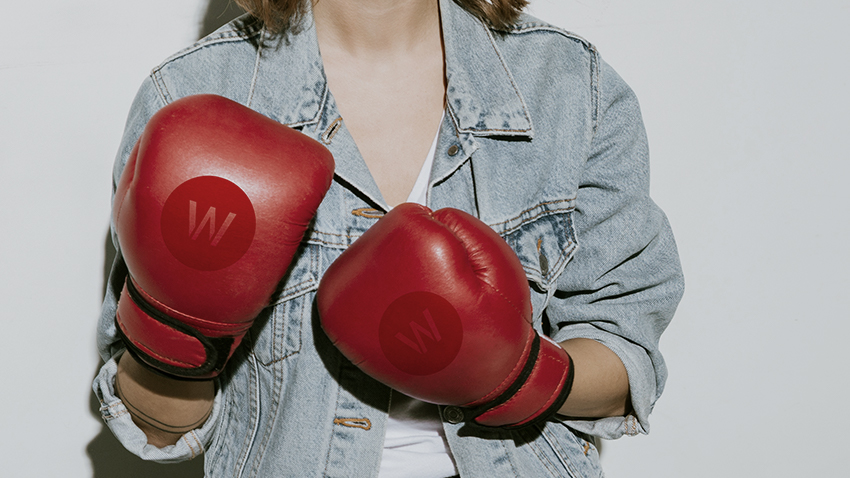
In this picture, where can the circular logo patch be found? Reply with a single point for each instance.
(420, 333)
(208, 223)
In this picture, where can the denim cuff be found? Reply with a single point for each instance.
(117, 418)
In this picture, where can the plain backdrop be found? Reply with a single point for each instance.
(746, 106)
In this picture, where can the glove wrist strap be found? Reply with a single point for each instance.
(207, 354)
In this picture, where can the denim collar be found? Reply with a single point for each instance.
(482, 96)
(289, 85)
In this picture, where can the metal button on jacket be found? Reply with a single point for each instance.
(453, 415)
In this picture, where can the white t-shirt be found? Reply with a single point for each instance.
(415, 444)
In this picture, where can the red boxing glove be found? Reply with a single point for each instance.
(437, 306)
(209, 212)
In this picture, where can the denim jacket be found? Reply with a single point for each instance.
(541, 140)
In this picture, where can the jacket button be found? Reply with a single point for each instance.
(453, 415)
(453, 149)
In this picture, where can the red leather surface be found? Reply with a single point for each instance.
(537, 394)
(150, 336)
(242, 190)
(454, 256)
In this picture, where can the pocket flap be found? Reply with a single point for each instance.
(543, 238)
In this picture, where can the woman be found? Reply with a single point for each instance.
(465, 104)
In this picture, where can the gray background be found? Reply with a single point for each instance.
(745, 103)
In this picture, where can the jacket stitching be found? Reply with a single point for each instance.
(546, 203)
(278, 353)
(320, 111)
(508, 454)
(565, 254)
(245, 451)
(273, 411)
(562, 454)
(161, 87)
(532, 27)
(197, 441)
(255, 75)
(595, 90)
(339, 392)
(533, 218)
(114, 415)
(294, 289)
(229, 36)
(545, 460)
(513, 83)
(188, 444)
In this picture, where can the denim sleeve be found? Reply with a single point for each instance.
(117, 418)
(110, 347)
(624, 282)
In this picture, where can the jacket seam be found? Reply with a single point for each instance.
(537, 26)
(530, 128)
(542, 213)
(274, 406)
(296, 290)
(320, 111)
(562, 454)
(254, 407)
(161, 87)
(255, 74)
(537, 216)
(541, 455)
(523, 28)
(564, 256)
(280, 351)
(595, 92)
(227, 36)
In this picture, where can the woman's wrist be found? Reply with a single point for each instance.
(601, 383)
(162, 407)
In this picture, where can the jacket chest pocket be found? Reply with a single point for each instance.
(545, 241)
(277, 332)
(544, 245)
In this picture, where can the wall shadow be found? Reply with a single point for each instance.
(218, 13)
(108, 457)
(110, 460)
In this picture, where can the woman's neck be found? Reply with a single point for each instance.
(376, 28)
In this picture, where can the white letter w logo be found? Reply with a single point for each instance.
(418, 331)
(209, 217)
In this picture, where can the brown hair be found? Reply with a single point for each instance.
(282, 15)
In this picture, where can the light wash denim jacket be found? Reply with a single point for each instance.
(541, 140)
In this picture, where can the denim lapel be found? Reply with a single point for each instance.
(290, 86)
(482, 96)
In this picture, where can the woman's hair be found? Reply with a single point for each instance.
(281, 15)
